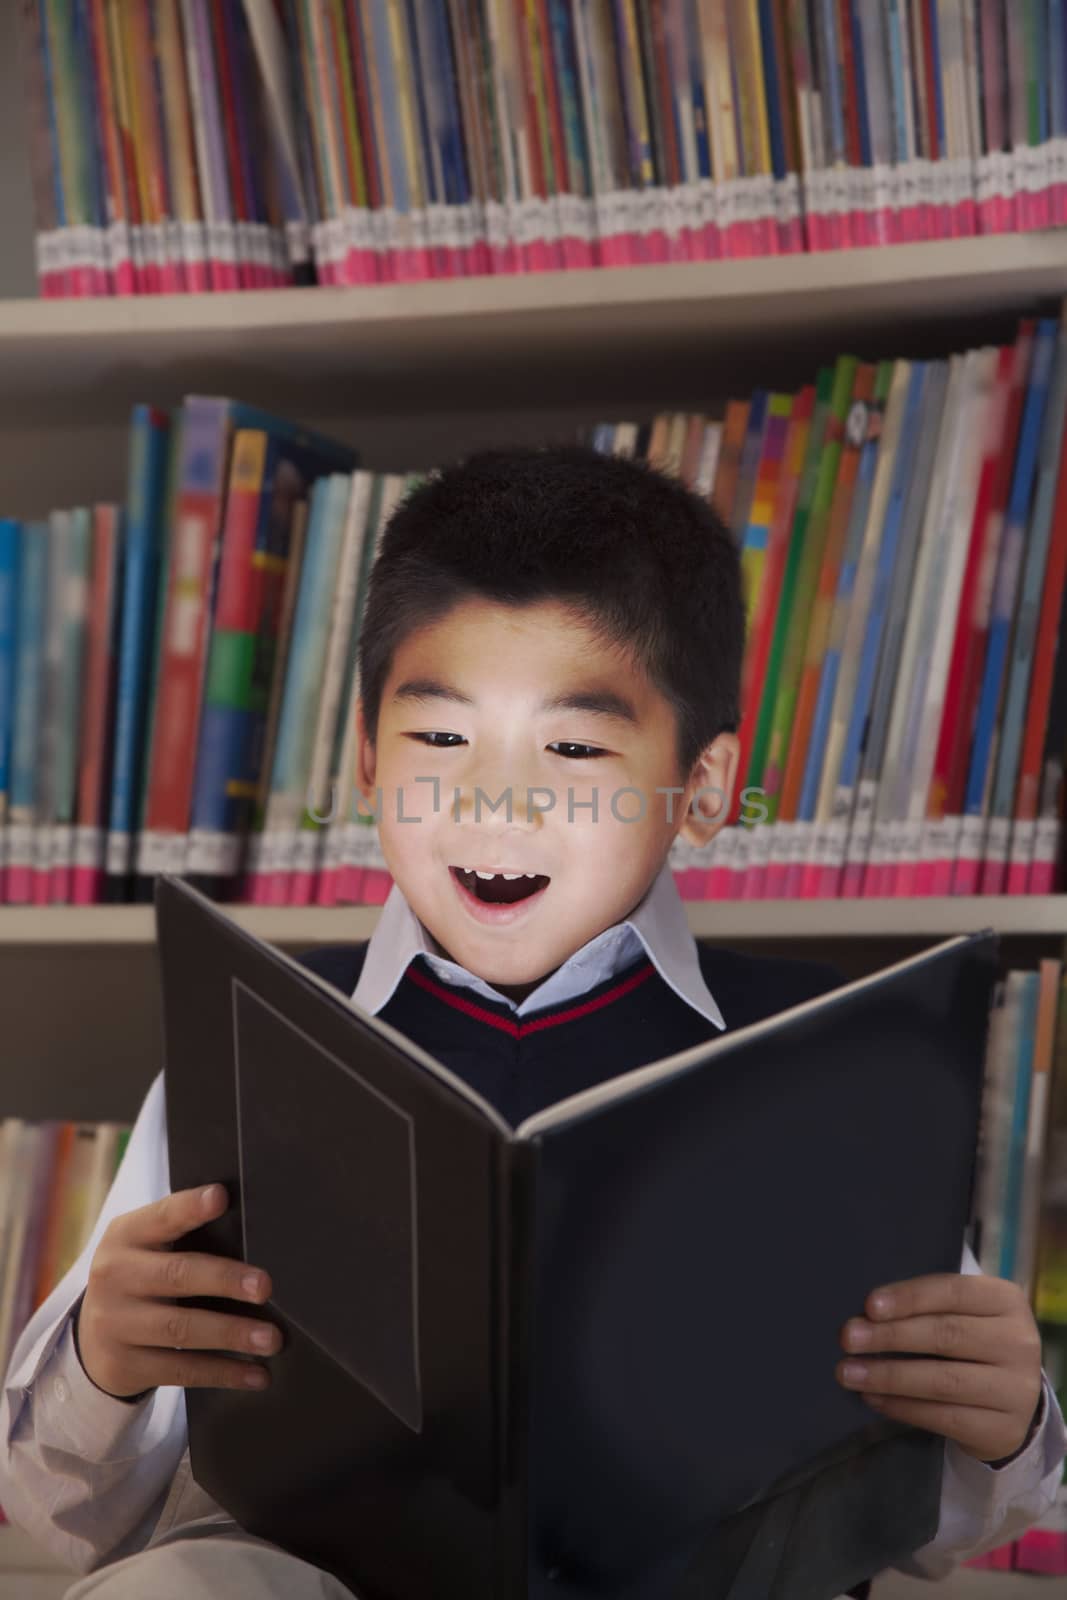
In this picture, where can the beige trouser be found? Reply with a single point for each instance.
(197, 1552)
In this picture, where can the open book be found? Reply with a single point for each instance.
(594, 1354)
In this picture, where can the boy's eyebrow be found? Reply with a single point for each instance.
(594, 702)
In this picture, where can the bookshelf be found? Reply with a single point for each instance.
(410, 374)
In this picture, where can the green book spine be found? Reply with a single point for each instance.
(797, 617)
(761, 742)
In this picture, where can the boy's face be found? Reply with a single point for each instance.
(498, 702)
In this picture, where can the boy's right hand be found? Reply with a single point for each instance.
(132, 1337)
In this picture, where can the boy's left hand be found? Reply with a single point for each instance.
(985, 1395)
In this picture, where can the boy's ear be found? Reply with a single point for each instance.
(366, 756)
(709, 792)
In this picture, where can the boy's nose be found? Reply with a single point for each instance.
(500, 804)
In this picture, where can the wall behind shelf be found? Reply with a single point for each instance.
(17, 272)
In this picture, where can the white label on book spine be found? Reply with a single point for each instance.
(1046, 840)
(1022, 842)
(911, 834)
(971, 838)
(801, 843)
(62, 851)
(151, 853)
(42, 847)
(213, 853)
(88, 848)
(18, 844)
(333, 851)
(306, 851)
(726, 853)
(837, 832)
(996, 847)
(759, 844)
(119, 847)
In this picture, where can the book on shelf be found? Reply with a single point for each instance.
(471, 1396)
(200, 145)
(179, 667)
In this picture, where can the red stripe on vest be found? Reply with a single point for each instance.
(518, 1029)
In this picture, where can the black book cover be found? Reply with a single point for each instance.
(593, 1355)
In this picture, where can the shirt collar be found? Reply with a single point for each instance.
(658, 925)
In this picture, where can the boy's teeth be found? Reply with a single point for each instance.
(508, 876)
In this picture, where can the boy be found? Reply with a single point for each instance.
(549, 671)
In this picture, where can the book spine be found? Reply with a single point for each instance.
(186, 621)
(98, 705)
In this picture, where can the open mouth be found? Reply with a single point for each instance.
(499, 888)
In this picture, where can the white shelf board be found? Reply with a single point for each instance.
(319, 348)
(1040, 916)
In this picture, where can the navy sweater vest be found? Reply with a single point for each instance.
(522, 1065)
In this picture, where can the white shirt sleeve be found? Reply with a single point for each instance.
(84, 1473)
(983, 1507)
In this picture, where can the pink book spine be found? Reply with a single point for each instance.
(302, 888)
(690, 883)
(87, 886)
(905, 884)
(774, 876)
(993, 877)
(851, 881)
(965, 877)
(794, 880)
(924, 878)
(1042, 878)
(351, 888)
(19, 886)
(1018, 878)
(377, 882)
(1042, 1550)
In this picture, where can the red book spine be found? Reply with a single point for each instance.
(197, 517)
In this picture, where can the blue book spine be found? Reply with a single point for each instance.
(459, 188)
(10, 544)
(29, 669)
(149, 441)
(832, 88)
(846, 583)
(565, 62)
(1020, 1117)
(769, 54)
(1013, 720)
(1057, 69)
(1008, 564)
(296, 724)
(898, 97)
(698, 90)
(852, 753)
(390, 103)
(860, 67)
(938, 87)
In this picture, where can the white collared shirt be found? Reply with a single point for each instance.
(89, 1475)
(658, 925)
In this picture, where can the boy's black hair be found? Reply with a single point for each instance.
(646, 563)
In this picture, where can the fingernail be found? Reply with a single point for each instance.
(854, 1372)
(882, 1304)
(250, 1284)
(263, 1338)
(859, 1336)
(256, 1378)
(208, 1196)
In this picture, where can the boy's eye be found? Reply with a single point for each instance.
(576, 752)
(568, 748)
